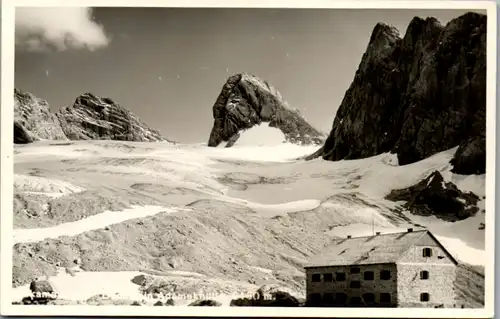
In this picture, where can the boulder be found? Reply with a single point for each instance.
(140, 280)
(41, 286)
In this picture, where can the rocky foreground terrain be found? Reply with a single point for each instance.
(203, 217)
(245, 101)
(417, 95)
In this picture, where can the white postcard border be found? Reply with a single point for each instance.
(6, 155)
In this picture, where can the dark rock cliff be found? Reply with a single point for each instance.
(417, 95)
(33, 120)
(100, 118)
(245, 101)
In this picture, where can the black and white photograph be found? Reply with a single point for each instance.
(329, 158)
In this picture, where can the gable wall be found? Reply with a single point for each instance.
(442, 275)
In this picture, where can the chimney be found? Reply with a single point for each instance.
(348, 236)
(410, 230)
(377, 233)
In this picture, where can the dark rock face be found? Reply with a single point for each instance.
(100, 118)
(245, 101)
(434, 196)
(33, 120)
(21, 134)
(417, 95)
(205, 303)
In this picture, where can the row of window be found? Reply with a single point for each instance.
(341, 298)
(341, 276)
(368, 298)
(367, 275)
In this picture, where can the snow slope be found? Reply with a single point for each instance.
(260, 173)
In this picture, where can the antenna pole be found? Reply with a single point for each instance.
(373, 225)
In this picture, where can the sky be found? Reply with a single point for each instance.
(168, 65)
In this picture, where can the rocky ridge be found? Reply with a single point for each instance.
(417, 95)
(245, 101)
(33, 120)
(100, 118)
(90, 117)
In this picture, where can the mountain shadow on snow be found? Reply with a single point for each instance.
(435, 197)
(417, 95)
(245, 101)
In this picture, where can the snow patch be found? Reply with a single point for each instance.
(107, 218)
(462, 251)
(84, 285)
(261, 135)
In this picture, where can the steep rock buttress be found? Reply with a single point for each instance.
(245, 101)
(417, 95)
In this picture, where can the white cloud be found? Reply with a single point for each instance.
(40, 29)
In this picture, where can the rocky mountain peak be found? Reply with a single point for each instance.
(246, 100)
(383, 34)
(33, 119)
(90, 117)
(100, 118)
(417, 95)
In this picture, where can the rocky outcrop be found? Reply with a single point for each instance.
(205, 303)
(417, 95)
(41, 286)
(33, 120)
(434, 196)
(245, 101)
(100, 118)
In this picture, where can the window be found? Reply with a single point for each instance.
(427, 252)
(328, 298)
(369, 298)
(355, 270)
(340, 298)
(315, 298)
(385, 274)
(369, 275)
(424, 275)
(328, 277)
(424, 297)
(355, 301)
(340, 276)
(385, 298)
(355, 284)
(316, 278)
